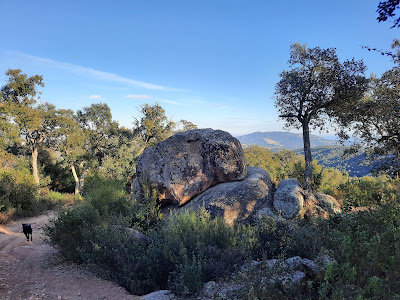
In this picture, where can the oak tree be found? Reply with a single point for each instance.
(314, 90)
(37, 123)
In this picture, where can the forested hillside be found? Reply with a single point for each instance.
(281, 140)
(334, 157)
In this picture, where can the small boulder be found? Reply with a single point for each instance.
(328, 203)
(159, 295)
(237, 200)
(188, 163)
(209, 289)
(289, 198)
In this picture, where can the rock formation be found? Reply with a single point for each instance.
(207, 167)
(289, 198)
(328, 203)
(190, 162)
(237, 200)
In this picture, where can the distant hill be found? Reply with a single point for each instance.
(281, 140)
(332, 157)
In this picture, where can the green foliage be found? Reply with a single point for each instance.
(107, 196)
(375, 234)
(61, 179)
(18, 191)
(367, 191)
(317, 88)
(153, 126)
(184, 252)
(146, 212)
(205, 248)
(282, 165)
(331, 180)
(70, 230)
(187, 279)
(361, 253)
(20, 88)
(287, 239)
(54, 199)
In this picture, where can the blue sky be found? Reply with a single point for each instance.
(212, 62)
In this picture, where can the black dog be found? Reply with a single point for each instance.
(27, 229)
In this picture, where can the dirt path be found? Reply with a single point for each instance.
(35, 271)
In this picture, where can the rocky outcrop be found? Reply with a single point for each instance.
(236, 201)
(189, 163)
(289, 198)
(285, 275)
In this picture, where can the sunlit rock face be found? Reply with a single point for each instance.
(236, 201)
(289, 198)
(190, 162)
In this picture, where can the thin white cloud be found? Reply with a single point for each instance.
(139, 97)
(168, 101)
(95, 97)
(101, 75)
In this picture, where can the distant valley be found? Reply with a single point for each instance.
(329, 153)
(281, 140)
(332, 157)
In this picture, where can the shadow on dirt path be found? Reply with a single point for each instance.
(35, 271)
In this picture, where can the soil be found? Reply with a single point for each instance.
(35, 270)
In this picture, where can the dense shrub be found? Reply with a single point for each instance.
(107, 196)
(18, 191)
(146, 212)
(70, 230)
(202, 247)
(54, 199)
(186, 251)
(278, 239)
(367, 191)
(365, 248)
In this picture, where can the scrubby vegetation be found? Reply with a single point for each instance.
(189, 249)
(181, 253)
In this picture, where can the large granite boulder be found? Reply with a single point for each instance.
(190, 162)
(236, 201)
(289, 198)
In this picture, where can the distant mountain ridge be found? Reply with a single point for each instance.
(282, 140)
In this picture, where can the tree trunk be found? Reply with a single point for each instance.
(77, 186)
(82, 180)
(308, 158)
(35, 172)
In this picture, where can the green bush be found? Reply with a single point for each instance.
(204, 247)
(71, 229)
(146, 212)
(107, 196)
(115, 253)
(18, 191)
(368, 191)
(278, 239)
(54, 199)
(366, 247)
(185, 251)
